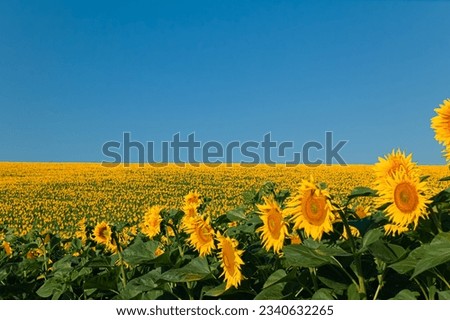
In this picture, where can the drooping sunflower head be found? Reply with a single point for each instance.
(201, 235)
(274, 228)
(230, 261)
(311, 210)
(405, 195)
(441, 123)
(151, 224)
(193, 198)
(392, 163)
(102, 233)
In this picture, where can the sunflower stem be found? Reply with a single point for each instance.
(312, 271)
(119, 254)
(436, 222)
(422, 289)
(441, 277)
(356, 255)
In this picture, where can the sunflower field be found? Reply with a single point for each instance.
(82, 231)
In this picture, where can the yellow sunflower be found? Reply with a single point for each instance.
(151, 225)
(190, 212)
(362, 211)
(355, 233)
(295, 238)
(102, 233)
(441, 123)
(274, 228)
(193, 198)
(391, 163)
(201, 235)
(81, 232)
(311, 210)
(394, 229)
(231, 261)
(7, 247)
(405, 195)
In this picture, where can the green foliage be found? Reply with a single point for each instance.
(414, 265)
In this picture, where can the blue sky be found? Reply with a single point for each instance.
(75, 74)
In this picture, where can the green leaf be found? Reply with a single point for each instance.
(140, 252)
(237, 214)
(323, 294)
(216, 291)
(406, 295)
(140, 285)
(275, 277)
(104, 281)
(352, 292)
(274, 292)
(371, 237)
(387, 252)
(436, 253)
(424, 178)
(50, 288)
(337, 287)
(444, 295)
(195, 270)
(302, 256)
(445, 179)
(362, 192)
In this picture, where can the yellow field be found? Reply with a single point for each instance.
(56, 196)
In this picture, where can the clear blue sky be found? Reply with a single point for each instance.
(75, 74)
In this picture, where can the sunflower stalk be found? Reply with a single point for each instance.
(356, 255)
(123, 277)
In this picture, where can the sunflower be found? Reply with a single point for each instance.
(151, 226)
(7, 247)
(362, 211)
(102, 233)
(201, 235)
(274, 228)
(311, 210)
(405, 195)
(391, 163)
(295, 238)
(231, 261)
(81, 232)
(393, 229)
(193, 198)
(354, 231)
(190, 212)
(441, 123)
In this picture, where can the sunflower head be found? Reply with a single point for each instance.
(193, 198)
(397, 160)
(362, 211)
(441, 123)
(230, 261)
(7, 247)
(295, 238)
(274, 228)
(311, 210)
(102, 233)
(405, 195)
(201, 235)
(354, 231)
(151, 224)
